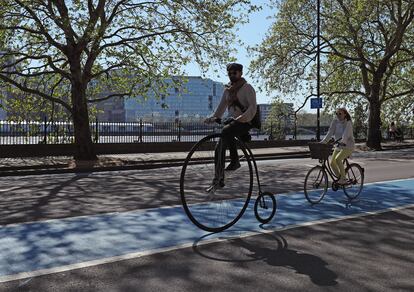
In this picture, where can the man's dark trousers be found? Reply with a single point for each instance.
(234, 129)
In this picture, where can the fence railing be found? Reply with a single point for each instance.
(46, 132)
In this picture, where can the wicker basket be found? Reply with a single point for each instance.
(320, 150)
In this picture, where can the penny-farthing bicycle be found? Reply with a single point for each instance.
(215, 208)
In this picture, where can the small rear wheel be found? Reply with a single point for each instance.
(265, 207)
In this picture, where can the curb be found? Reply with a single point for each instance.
(138, 166)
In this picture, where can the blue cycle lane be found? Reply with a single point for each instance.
(56, 243)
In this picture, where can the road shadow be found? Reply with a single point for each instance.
(43, 197)
(373, 253)
(272, 249)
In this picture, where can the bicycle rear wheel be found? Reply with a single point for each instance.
(316, 184)
(355, 176)
(218, 209)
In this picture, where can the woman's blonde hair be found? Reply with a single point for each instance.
(344, 110)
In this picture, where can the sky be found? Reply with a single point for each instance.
(251, 34)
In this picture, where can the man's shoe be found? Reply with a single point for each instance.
(233, 166)
(214, 186)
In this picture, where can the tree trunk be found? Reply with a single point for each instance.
(374, 125)
(83, 138)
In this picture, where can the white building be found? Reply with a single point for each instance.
(198, 98)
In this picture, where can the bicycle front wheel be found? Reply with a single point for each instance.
(215, 199)
(316, 184)
(355, 177)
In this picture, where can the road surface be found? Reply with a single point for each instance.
(104, 237)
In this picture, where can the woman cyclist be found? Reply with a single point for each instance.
(341, 127)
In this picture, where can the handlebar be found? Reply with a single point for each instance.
(223, 121)
(338, 143)
(218, 121)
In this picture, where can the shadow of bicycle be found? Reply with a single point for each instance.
(271, 248)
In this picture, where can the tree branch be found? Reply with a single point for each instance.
(127, 40)
(43, 30)
(34, 91)
(409, 91)
(110, 96)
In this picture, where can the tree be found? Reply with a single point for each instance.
(359, 120)
(366, 52)
(400, 110)
(94, 50)
(276, 122)
(309, 119)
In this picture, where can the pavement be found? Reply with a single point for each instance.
(64, 164)
(125, 231)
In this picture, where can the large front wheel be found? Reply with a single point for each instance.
(316, 184)
(215, 199)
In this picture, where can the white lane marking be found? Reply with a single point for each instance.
(289, 193)
(108, 260)
(388, 181)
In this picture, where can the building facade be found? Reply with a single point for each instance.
(196, 99)
(112, 110)
(264, 111)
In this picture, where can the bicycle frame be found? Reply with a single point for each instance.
(327, 167)
(262, 202)
(254, 164)
(249, 151)
(251, 156)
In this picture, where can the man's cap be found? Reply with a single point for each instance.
(235, 67)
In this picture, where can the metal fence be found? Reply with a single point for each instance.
(103, 132)
(47, 132)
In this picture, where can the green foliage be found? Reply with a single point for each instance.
(360, 118)
(277, 120)
(113, 48)
(400, 111)
(366, 52)
(309, 119)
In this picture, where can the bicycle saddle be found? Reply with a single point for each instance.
(246, 138)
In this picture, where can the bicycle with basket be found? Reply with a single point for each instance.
(316, 182)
